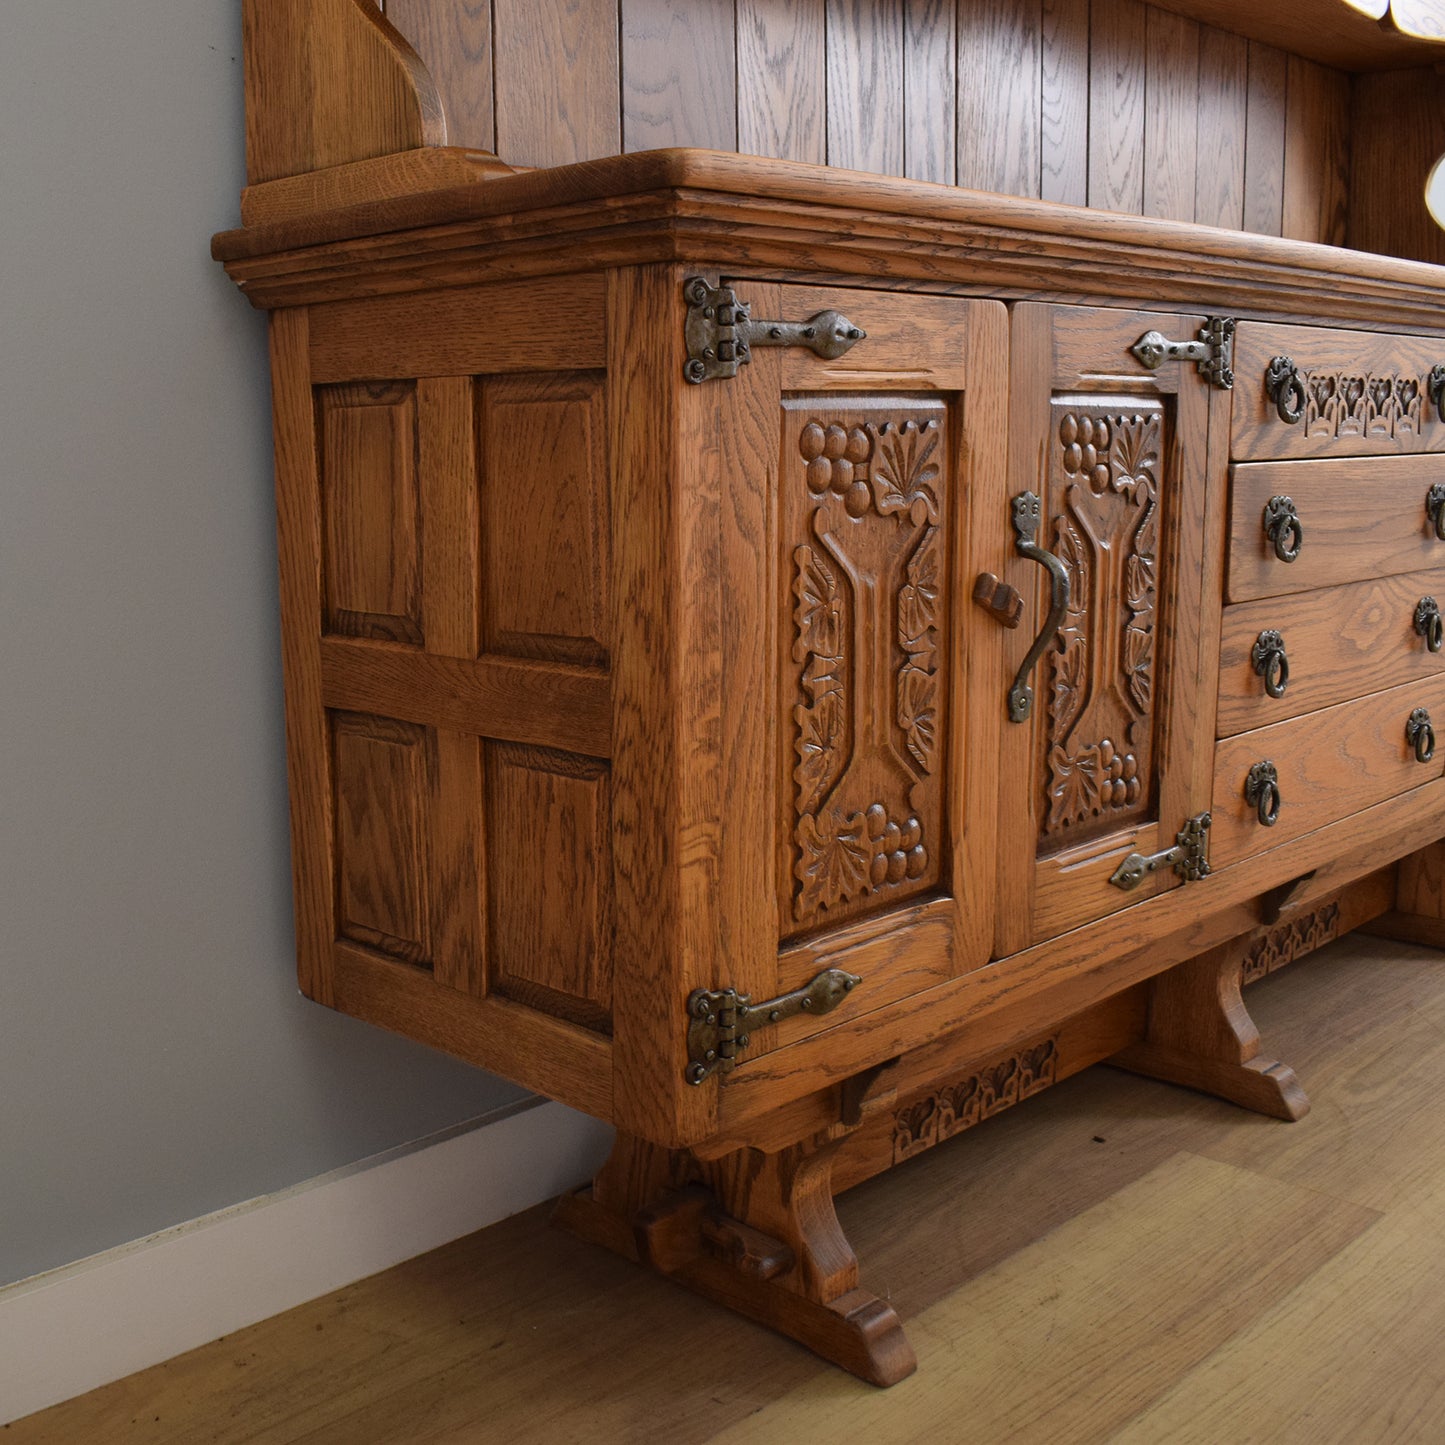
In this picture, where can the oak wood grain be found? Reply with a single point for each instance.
(557, 81)
(782, 110)
(454, 40)
(1317, 173)
(308, 766)
(1264, 142)
(930, 91)
(1173, 106)
(864, 48)
(1222, 129)
(1064, 97)
(1332, 763)
(552, 704)
(1000, 101)
(679, 75)
(1117, 70)
(1397, 135)
(1341, 642)
(1348, 531)
(516, 326)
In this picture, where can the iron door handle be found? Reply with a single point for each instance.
(1271, 662)
(1420, 735)
(1028, 511)
(1283, 527)
(1261, 788)
(1435, 509)
(1286, 389)
(1429, 624)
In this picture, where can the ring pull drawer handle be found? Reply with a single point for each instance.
(1261, 788)
(1429, 624)
(1285, 530)
(1420, 735)
(1271, 662)
(1028, 511)
(1435, 509)
(1286, 389)
(1437, 387)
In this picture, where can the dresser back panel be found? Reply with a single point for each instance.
(1115, 105)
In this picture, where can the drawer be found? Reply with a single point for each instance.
(1338, 643)
(1329, 764)
(1358, 393)
(1357, 519)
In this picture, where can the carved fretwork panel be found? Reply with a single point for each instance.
(923, 1122)
(1367, 404)
(1289, 941)
(1105, 460)
(865, 678)
(369, 500)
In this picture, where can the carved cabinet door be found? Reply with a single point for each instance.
(1108, 758)
(858, 791)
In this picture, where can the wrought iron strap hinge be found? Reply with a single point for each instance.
(1189, 857)
(722, 1018)
(721, 332)
(1213, 351)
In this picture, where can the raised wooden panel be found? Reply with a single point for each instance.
(866, 654)
(544, 516)
(549, 830)
(372, 547)
(380, 769)
(1106, 463)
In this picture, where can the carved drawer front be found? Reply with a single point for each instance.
(1281, 657)
(1320, 768)
(1297, 526)
(1302, 391)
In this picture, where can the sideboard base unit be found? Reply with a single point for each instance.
(755, 1228)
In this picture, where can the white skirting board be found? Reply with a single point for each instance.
(71, 1329)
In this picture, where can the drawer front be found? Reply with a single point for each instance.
(1336, 644)
(1357, 393)
(1329, 764)
(1355, 519)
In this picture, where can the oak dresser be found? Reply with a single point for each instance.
(793, 662)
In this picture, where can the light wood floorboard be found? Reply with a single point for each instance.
(1117, 1260)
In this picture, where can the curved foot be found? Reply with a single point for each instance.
(1263, 1085)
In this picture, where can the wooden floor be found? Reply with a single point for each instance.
(1118, 1260)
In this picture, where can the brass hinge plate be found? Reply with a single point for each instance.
(1189, 857)
(1212, 350)
(721, 332)
(722, 1019)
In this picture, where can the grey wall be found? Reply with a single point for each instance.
(156, 1061)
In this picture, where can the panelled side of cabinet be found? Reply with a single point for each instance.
(445, 524)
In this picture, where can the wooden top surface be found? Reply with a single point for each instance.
(714, 207)
(1332, 32)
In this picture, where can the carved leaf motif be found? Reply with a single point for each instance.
(1075, 786)
(835, 861)
(917, 713)
(1067, 677)
(904, 472)
(820, 732)
(819, 610)
(1135, 456)
(1138, 660)
(918, 598)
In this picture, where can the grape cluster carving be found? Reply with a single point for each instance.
(833, 456)
(901, 853)
(1086, 449)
